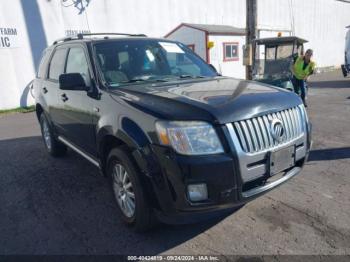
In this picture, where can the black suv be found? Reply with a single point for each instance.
(178, 141)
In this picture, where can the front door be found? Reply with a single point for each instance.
(76, 106)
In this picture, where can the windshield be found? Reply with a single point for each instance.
(273, 62)
(133, 60)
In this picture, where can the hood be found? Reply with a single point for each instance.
(220, 100)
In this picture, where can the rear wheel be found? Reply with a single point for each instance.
(53, 146)
(128, 192)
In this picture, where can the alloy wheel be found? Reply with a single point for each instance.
(123, 190)
(47, 135)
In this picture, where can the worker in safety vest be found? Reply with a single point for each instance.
(302, 68)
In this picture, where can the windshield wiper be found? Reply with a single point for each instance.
(134, 80)
(190, 76)
(143, 80)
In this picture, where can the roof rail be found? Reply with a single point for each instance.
(81, 36)
(64, 39)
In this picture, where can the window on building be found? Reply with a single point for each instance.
(231, 51)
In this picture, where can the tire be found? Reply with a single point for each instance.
(128, 186)
(52, 145)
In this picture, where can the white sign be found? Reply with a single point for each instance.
(74, 32)
(8, 37)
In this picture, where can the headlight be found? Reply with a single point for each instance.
(189, 138)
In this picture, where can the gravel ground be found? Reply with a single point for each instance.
(63, 206)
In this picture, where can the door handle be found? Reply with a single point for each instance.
(45, 90)
(64, 97)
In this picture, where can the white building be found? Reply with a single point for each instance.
(219, 45)
(28, 26)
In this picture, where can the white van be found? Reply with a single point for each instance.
(346, 66)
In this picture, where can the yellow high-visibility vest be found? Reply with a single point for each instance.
(301, 73)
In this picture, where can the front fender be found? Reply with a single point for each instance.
(139, 145)
(128, 133)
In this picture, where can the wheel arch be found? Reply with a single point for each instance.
(107, 139)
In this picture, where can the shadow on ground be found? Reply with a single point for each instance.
(330, 84)
(329, 154)
(63, 206)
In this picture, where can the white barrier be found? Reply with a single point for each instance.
(28, 26)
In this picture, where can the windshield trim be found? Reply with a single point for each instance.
(170, 82)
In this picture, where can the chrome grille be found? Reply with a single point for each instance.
(255, 134)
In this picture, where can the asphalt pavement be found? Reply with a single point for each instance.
(63, 206)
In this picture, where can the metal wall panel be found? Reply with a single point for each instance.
(40, 22)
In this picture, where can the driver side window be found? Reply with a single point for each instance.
(77, 63)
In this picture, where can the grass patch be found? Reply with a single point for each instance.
(25, 109)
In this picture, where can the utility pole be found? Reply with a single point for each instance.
(251, 24)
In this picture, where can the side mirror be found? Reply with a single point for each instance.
(72, 81)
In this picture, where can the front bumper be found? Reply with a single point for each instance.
(213, 211)
(226, 189)
(233, 178)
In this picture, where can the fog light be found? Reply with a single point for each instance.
(197, 192)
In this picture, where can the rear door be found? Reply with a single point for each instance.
(40, 78)
(75, 111)
(50, 86)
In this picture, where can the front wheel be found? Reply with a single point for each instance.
(128, 191)
(53, 146)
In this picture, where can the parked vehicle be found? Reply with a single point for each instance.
(178, 142)
(346, 66)
(273, 57)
